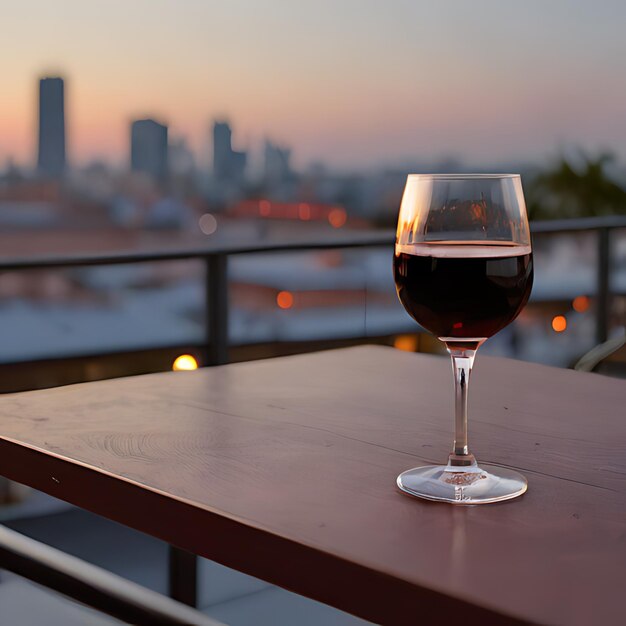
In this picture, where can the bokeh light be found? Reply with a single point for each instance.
(337, 218)
(304, 211)
(559, 323)
(284, 299)
(184, 362)
(264, 208)
(580, 304)
(207, 224)
(407, 343)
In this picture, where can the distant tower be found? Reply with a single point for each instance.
(222, 149)
(148, 148)
(228, 165)
(277, 167)
(51, 154)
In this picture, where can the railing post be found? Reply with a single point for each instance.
(603, 302)
(216, 293)
(183, 566)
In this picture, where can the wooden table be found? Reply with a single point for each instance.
(285, 469)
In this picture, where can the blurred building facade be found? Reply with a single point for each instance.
(149, 148)
(277, 168)
(228, 165)
(51, 146)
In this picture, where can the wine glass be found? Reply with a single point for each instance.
(463, 269)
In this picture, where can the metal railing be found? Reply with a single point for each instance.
(93, 586)
(603, 227)
(215, 258)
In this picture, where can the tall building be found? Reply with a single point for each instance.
(228, 164)
(51, 152)
(148, 148)
(277, 167)
(222, 149)
(181, 161)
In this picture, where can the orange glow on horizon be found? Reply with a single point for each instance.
(264, 208)
(559, 323)
(284, 299)
(304, 211)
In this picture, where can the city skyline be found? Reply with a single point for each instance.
(350, 85)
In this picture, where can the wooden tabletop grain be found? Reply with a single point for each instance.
(285, 469)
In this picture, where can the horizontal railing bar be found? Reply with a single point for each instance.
(609, 222)
(382, 238)
(355, 240)
(92, 585)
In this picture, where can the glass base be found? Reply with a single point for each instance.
(463, 485)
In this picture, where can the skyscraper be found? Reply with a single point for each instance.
(148, 148)
(222, 149)
(228, 164)
(51, 153)
(277, 167)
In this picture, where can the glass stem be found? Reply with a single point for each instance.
(462, 361)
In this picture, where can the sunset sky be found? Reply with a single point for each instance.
(353, 83)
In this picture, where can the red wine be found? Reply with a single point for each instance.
(463, 290)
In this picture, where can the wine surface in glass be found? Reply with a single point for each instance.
(463, 290)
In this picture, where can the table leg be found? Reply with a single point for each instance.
(183, 575)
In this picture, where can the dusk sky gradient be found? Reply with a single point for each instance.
(353, 83)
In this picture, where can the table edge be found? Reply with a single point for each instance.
(372, 594)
